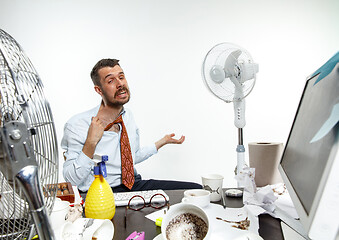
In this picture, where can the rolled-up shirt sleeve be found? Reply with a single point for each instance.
(78, 166)
(143, 153)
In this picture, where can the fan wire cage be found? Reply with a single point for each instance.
(218, 55)
(22, 100)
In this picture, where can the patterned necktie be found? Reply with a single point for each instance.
(127, 170)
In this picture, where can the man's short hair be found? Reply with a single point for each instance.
(107, 62)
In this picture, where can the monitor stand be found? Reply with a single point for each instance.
(289, 233)
(292, 225)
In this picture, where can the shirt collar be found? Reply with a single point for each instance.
(123, 111)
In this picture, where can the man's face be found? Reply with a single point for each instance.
(114, 88)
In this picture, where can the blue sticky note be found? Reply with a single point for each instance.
(326, 68)
(328, 125)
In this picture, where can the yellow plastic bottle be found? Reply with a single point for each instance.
(99, 202)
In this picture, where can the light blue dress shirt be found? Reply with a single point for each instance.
(78, 168)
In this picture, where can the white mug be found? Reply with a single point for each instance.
(213, 184)
(199, 197)
(179, 209)
(59, 213)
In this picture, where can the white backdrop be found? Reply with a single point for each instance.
(161, 45)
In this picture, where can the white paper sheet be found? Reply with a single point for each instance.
(268, 200)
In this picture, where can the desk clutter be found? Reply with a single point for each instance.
(222, 223)
(67, 219)
(192, 217)
(63, 190)
(69, 224)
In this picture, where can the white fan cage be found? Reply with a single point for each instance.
(217, 56)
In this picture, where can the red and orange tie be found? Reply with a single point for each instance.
(127, 170)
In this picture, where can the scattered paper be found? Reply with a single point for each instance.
(245, 178)
(77, 197)
(86, 229)
(268, 198)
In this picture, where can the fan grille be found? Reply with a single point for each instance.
(217, 56)
(22, 99)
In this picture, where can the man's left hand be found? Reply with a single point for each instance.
(168, 139)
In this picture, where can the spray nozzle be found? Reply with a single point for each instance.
(100, 165)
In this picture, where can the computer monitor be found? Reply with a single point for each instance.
(309, 164)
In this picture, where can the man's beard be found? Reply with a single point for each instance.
(119, 103)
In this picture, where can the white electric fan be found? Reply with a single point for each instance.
(28, 148)
(229, 73)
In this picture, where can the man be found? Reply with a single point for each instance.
(109, 129)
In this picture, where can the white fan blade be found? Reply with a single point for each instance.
(231, 62)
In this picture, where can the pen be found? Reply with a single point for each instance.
(223, 199)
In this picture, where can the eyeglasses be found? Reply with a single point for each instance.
(137, 202)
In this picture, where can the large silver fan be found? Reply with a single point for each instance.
(28, 149)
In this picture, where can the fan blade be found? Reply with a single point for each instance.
(231, 62)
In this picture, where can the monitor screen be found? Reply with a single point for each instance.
(304, 161)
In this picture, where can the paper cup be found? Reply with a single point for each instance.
(213, 184)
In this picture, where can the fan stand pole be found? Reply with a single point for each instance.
(240, 136)
(24, 168)
(240, 155)
(30, 183)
